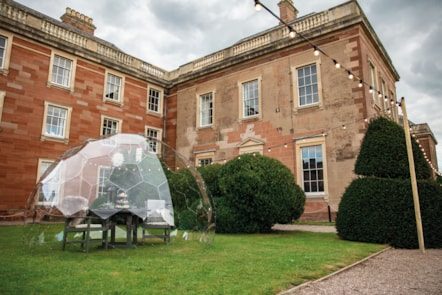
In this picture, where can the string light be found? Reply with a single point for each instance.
(257, 5)
(317, 51)
(292, 32)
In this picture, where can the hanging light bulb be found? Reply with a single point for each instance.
(316, 50)
(379, 94)
(371, 89)
(361, 83)
(337, 65)
(350, 75)
(292, 32)
(257, 5)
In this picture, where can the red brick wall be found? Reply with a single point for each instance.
(27, 90)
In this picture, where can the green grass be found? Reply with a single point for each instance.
(231, 264)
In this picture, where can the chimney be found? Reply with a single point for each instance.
(287, 11)
(78, 20)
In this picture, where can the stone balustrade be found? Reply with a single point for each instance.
(53, 28)
(302, 25)
(66, 35)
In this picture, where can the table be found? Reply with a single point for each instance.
(130, 217)
(131, 221)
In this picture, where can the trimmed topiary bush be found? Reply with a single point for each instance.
(384, 154)
(380, 210)
(257, 192)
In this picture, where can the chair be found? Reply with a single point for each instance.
(154, 220)
(84, 225)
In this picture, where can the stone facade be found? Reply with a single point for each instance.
(201, 110)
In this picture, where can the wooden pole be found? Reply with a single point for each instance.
(417, 210)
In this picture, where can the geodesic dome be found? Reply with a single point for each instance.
(122, 172)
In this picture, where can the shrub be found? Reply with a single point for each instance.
(380, 210)
(210, 176)
(185, 193)
(384, 153)
(257, 192)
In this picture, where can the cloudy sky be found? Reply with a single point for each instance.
(170, 33)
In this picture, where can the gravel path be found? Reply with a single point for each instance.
(392, 271)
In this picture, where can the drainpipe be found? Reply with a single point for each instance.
(165, 96)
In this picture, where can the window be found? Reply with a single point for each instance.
(203, 158)
(311, 165)
(2, 101)
(373, 82)
(206, 109)
(155, 135)
(392, 106)
(204, 162)
(52, 190)
(113, 88)
(61, 71)
(3, 43)
(154, 103)
(56, 122)
(103, 176)
(5, 53)
(384, 96)
(250, 99)
(308, 85)
(110, 126)
(312, 169)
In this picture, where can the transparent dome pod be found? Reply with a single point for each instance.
(94, 175)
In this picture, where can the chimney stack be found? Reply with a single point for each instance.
(287, 11)
(78, 20)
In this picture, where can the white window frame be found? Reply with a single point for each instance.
(373, 83)
(201, 110)
(66, 126)
(159, 104)
(309, 81)
(2, 102)
(242, 97)
(102, 127)
(40, 171)
(155, 145)
(101, 179)
(296, 101)
(385, 102)
(3, 51)
(70, 81)
(204, 156)
(106, 97)
(392, 105)
(4, 66)
(310, 142)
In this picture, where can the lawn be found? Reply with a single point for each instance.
(33, 263)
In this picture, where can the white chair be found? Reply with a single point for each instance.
(155, 220)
